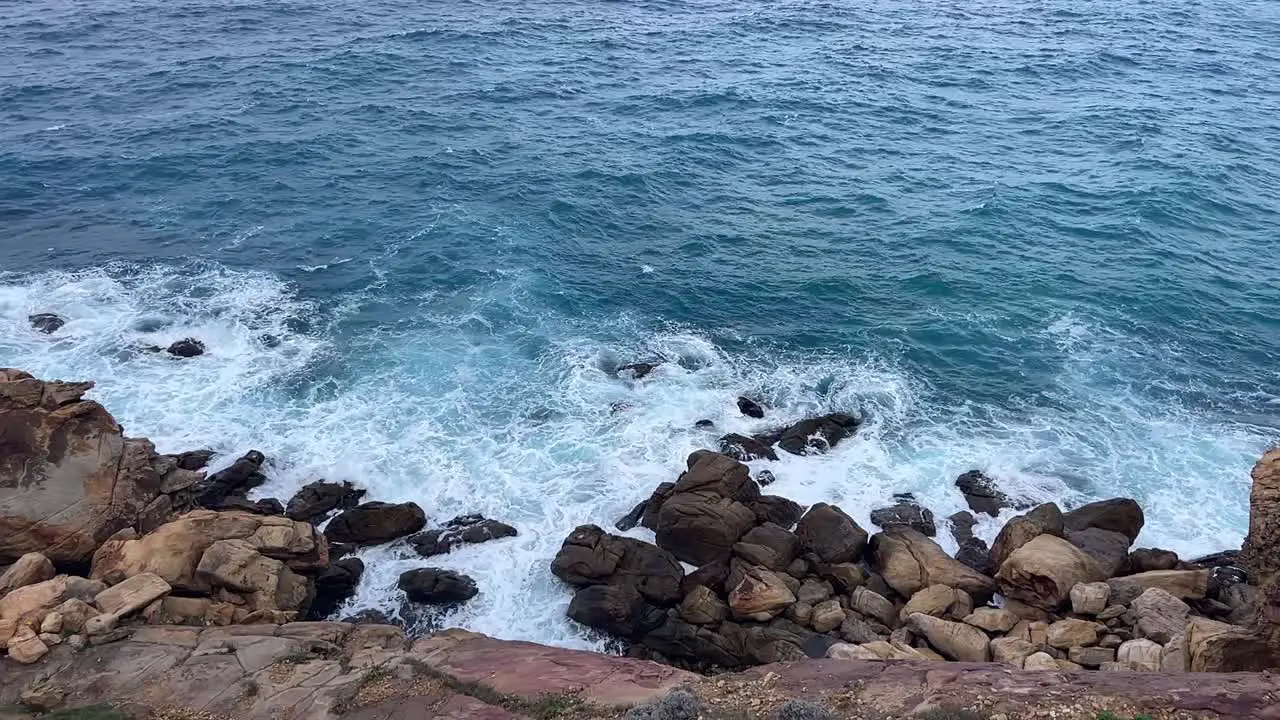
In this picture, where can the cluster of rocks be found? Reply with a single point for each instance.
(97, 530)
(774, 581)
(50, 323)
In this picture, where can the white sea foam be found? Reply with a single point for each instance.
(460, 414)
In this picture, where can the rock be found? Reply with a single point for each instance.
(1182, 584)
(1042, 572)
(652, 506)
(589, 556)
(1160, 615)
(373, 523)
(436, 586)
(1140, 654)
(52, 623)
(716, 474)
(938, 601)
(981, 493)
(764, 478)
(615, 609)
(827, 616)
(1040, 661)
(993, 620)
(47, 323)
(632, 518)
(27, 606)
(186, 348)
(194, 459)
(705, 424)
(699, 528)
(1090, 598)
(1011, 651)
(132, 594)
(1148, 559)
(1120, 515)
(849, 651)
(973, 551)
(713, 575)
(265, 583)
(760, 595)
(463, 530)
(43, 698)
(703, 607)
(1044, 519)
(25, 646)
(746, 448)
(1213, 646)
(814, 591)
(69, 479)
(783, 546)
(873, 605)
(1091, 657)
(334, 585)
(30, 569)
(750, 408)
(817, 434)
(843, 576)
(242, 476)
(1261, 553)
(778, 510)
(1112, 612)
(314, 501)
(799, 612)
(905, 515)
(1109, 550)
(74, 613)
(637, 371)
(956, 641)
(101, 624)
(910, 562)
(1071, 633)
(857, 630)
(676, 638)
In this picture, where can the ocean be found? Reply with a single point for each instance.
(1035, 238)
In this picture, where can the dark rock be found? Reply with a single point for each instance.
(826, 531)
(632, 518)
(370, 616)
(745, 448)
(47, 323)
(973, 551)
(764, 478)
(982, 493)
(316, 500)
(777, 510)
(1120, 515)
(649, 519)
(711, 472)
(750, 408)
(334, 585)
(616, 609)
(194, 459)
(435, 586)
(704, 424)
(698, 527)
(962, 524)
(818, 435)
(1044, 519)
(905, 514)
(243, 475)
(1110, 550)
(1147, 559)
(266, 506)
(768, 546)
(186, 348)
(712, 575)
(676, 638)
(464, 530)
(590, 556)
(376, 522)
(637, 370)
(1226, 557)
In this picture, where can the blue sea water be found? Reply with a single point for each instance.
(1038, 238)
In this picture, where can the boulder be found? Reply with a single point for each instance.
(132, 594)
(1182, 584)
(615, 609)
(265, 583)
(873, 605)
(30, 569)
(701, 606)
(652, 506)
(590, 556)
(746, 448)
(1011, 651)
(29, 604)
(1090, 598)
(47, 323)
(698, 528)
(939, 601)
(373, 523)
(1042, 572)
(1072, 632)
(1040, 661)
(334, 585)
(826, 616)
(676, 638)
(462, 530)
(1261, 552)
(769, 546)
(1148, 559)
(817, 435)
(981, 493)
(750, 408)
(850, 651)
(910, 562)
(194, 459)
(956, 641)
(775, 509)
(26, 647)
(435, 586)
(993, 620)
(75, 612)
(712, 473)
(1140, 654)
(760, 595)
(637, 371)
(1161, 616)
(1044, 519)
(1109, 549)
(857, 630)
(713, 575)
(973, 550)
(1120, 515)
(843, 576)
(814, 591)
(1213, 646)
(905, 515)
(69, 479)
(186, 348)
(1091, 657)
(314, 501)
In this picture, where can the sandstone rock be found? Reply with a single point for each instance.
(69, 479)
(831, 535)
(1011, 651)
(1212, 646)
(1182, 584)
(1261, 553)
(590, 556)
(231, 482)
(905, 515)
(1071, 633)
(26, 647)
(1147, 559)
(873, 605)
(28, 605)
(75, 613)
(973, 550)
(315, 501)
(1043, 520)
(981, 493)
(436, 586)
(1040, 661)
(1112, 611)
(1160, 615)
(761, 595)
(745, 448)
(858, 631)
(1111, 641)
(1109, 549)
(132, 594)
(843, 576)
(910, 562)
(703, 607)
(30, 569)
(1091, 657)
(826, 616)
(1173, 657)
(1141, 654)
(43, 698)
(1043, 571)
(993, 620)
(1025, 611)
(817, 435)
(814, 591)
(373, 523)
(698, 528)
(849, 651)
(1090, 598)
(52, 623)
(938, 600)
(799, 612)
(956, 641)
(462, 530)
(1120, 515)
(266, 583)
(101, 624)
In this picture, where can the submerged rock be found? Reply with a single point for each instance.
(243, 475)
(462, 530)
(817, 435)
(638, 370)
(746, 448)
(316, 500)
(750, 408)
(982, 493)
(47, 323)
(186, 348)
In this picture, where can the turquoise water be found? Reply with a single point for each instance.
(1034, 238)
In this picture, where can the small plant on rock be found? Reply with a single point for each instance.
(676, 705)
(802, 710)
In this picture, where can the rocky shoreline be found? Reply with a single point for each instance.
(100, 535)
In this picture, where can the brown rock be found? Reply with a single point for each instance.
(1011, 651)
(28, 605)
(1160, 615)
(614, 609)
(26, 647)
(132, 594)
(1091, 657)
(799, 613)
(703, 607)
(910, 562)
(768, 546)
(873, 605)
(826, 616)
(267, 583)
(1043, 571)
(761, 595)
(1141, 654)
(1042, 520)
(1182, 584)
(938, 601)
(1025, 611)
(981, 493)
(1212, 646)
(1109, 549)
(831, 535)
(956, 641)
(1120, 515)
(75, 613)
(373, 523)
(699, 528)
(1261, 553)
(849, 651)
(52, 623)
(844, 576)
(814, 591)
(993, 620)
(858, 631)
(590, 556)
(1040, 661)
(1147, 559)
(30, 569)
(716, 474)
(1090, 598)
(772, 508)
(1071, 633)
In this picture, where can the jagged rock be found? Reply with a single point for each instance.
(857, 630)
(373, 523)
(132, 594)
(589, 556)
(703, 607)
(243, 475)
(75, 612)
(1182, 584)
(52, 623)
(717, 474)
(746, 448)
(1072, 632)
(750, 408)
(993, 620)
(760, 595)
(778, 510)
(314, 501)
(713, 575)
(956, 641)
(633, 517)
(1120, 515)
(799, 612)
(186, 348)
(676, 638)
(436, 586)
(705, 424)
(843, 576)
(1141, 654)
(873, 605)
(615, 609)
(818, 434)
(194, 459)
(462, 530)
(905, 515)
(101, 624)
(30, 569)
(1044, 519)
(939, 601)
(1091, 657)
(652, 506)
(47, 323)
(1148, 559)
(981, 493)
(1043, 571)
(1212, 646)
(910, 562)
(764, 478)
(334, 585)
(1090, 598)
(1160, 615)
(1011, 651)
(1109, 549)
(1261, 552)
(27, 606)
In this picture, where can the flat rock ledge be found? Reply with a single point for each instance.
(320, 670)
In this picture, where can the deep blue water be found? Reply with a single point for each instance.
(1033, 237)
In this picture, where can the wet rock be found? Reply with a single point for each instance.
(765, 478)
(314, 501)
(817, 435)
(590, 556)
(632, 518)
(905, 514)
(1042, 572)
(637, 371)
(47, 323)
(777, 510)
(194, 459)
(1147, 559)
(705, 424)
(698, 528)
(334, 585)
(1044, 519)
(243, 475)
(614, 609)
(1120, 515)
(982, 494)
(973, 551)
(186, 348)
(830, 534)
(462, 530)
(768, 546)
(373, 523)
(746, 448)
(750, 408)
(435, 586)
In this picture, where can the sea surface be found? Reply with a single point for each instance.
(1037, 238)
